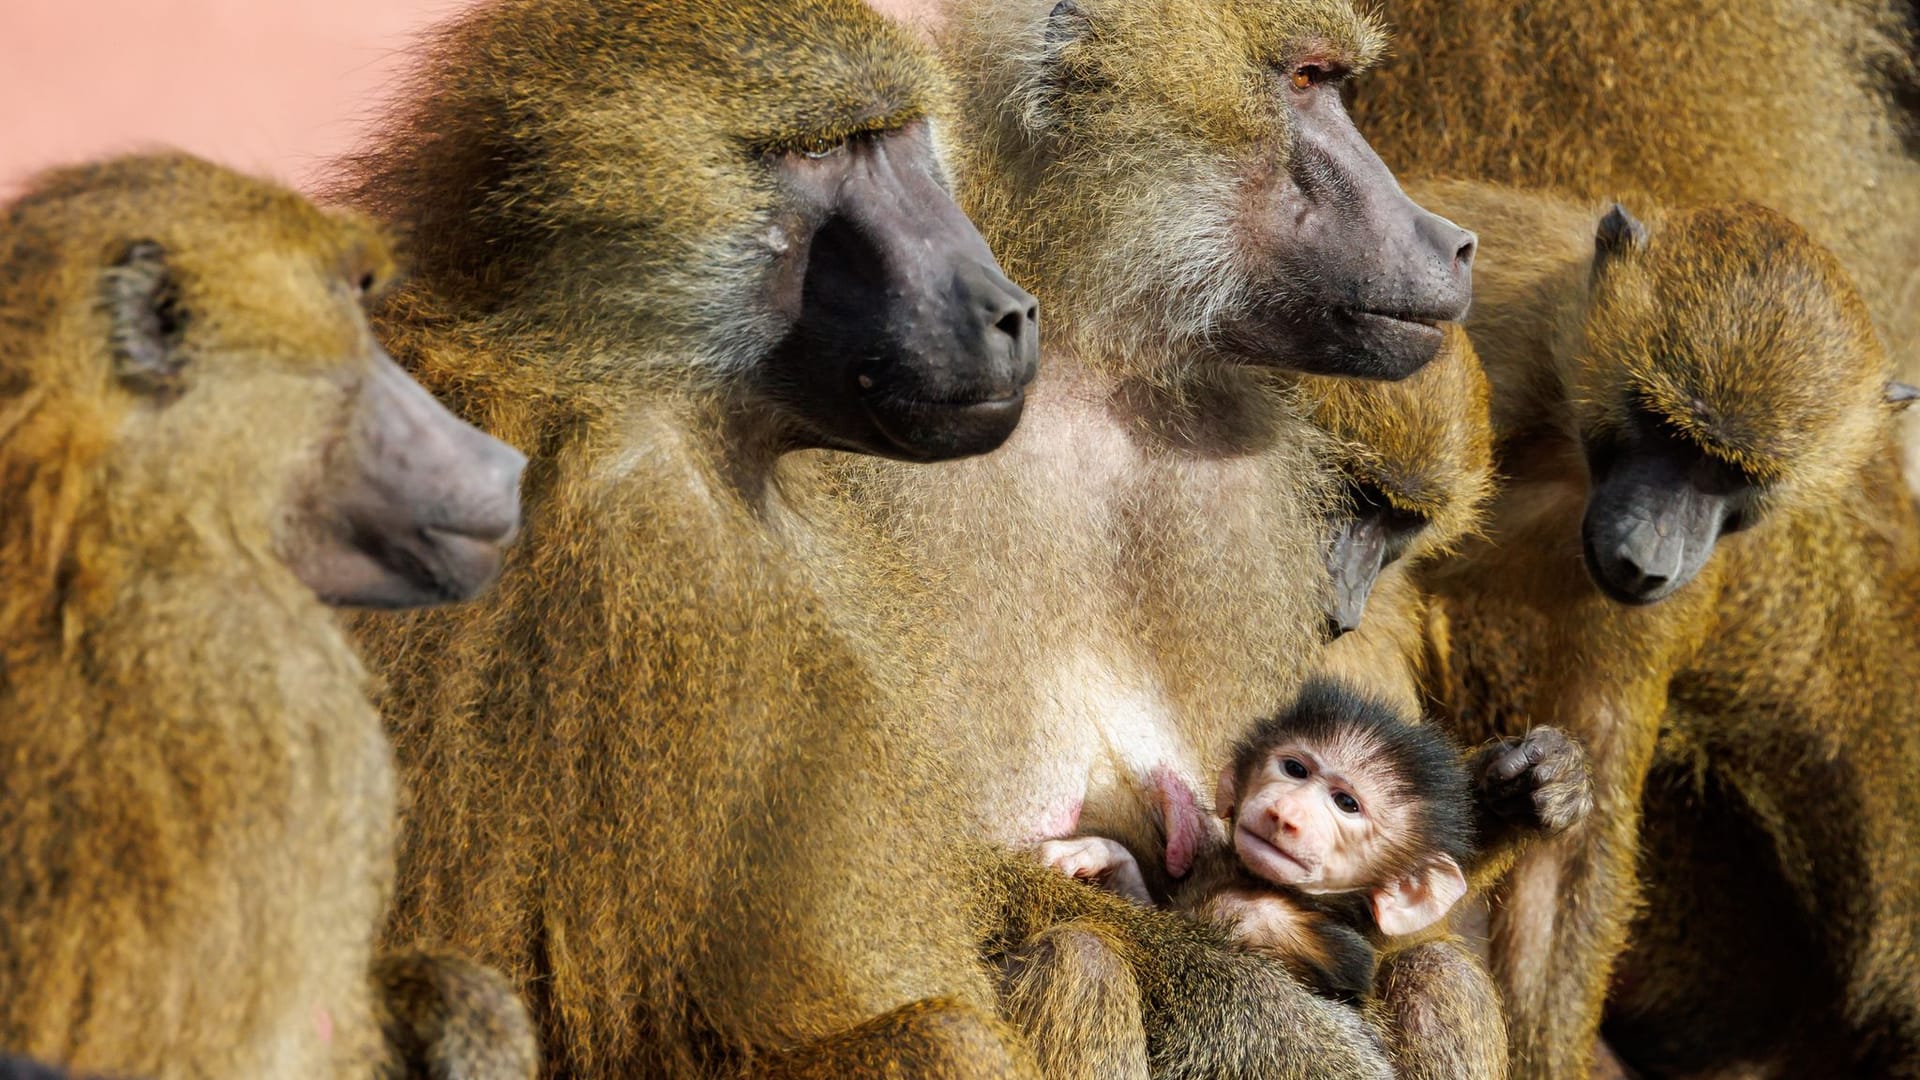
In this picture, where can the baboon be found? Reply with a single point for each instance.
(200, 442)
(1415, 465)
(1795, 104)
(1657, 388)
(1088, 616)
(664, 244)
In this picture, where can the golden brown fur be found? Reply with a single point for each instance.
(1087, 617)
(445, 1017)
(1100, 982)
(653, 782)
(1785, 102)
(1737, 330)
(199, 812)
(1424, 446)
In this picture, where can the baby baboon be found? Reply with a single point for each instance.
(666, 243)
(1090, 613)
(200, 441)
(1346, 823)
(1658, 388)
(1415, 461)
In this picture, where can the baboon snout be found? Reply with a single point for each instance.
(1642, 546)
(1641, 568)
(1000, 321)
(1436, 283)
(957, 383)
(421, 505)
(1354, 560)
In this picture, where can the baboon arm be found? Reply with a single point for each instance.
(445, 1016)
(935, 1039)
(1439, 1014)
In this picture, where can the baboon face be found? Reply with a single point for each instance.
(1730, 368)
(1225, 192)
(254, 375)
(1372, 535)
(715, 194)
(1418, 460)
(1348, 275)
(903, 337)
(1656, 506)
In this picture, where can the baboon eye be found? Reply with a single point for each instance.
(820, 146)
(1307, 76)
(1347, 803)
(366, 283)
(1294, 769)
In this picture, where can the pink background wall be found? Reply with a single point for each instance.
(272, 86)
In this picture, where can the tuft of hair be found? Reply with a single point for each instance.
(1428, 770)
(1742, 334)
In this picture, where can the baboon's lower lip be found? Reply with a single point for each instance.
(1411, 321)
(921, 429)
(459, 565)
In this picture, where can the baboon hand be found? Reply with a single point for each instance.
(1540, 781)
(1097, 861)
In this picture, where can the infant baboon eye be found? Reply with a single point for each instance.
(1294, 769)
(1347, 803)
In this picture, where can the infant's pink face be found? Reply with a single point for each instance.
(1309, 821)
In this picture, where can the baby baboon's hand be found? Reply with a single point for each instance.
(1539, 782)
(1097, 861)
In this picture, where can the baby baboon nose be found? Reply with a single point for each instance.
(1281, 821)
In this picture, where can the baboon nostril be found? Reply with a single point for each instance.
(1629, 573)
(1464, 256)
(1013, 323)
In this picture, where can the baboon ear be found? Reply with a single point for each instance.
(1224, 795)
(145, 319)
(1619, 233)
(1900, 395)
(1420, 899)
(1066, 24)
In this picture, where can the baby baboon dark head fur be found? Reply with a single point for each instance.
(1728, 364)
(747, 196)
(1186, 168)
